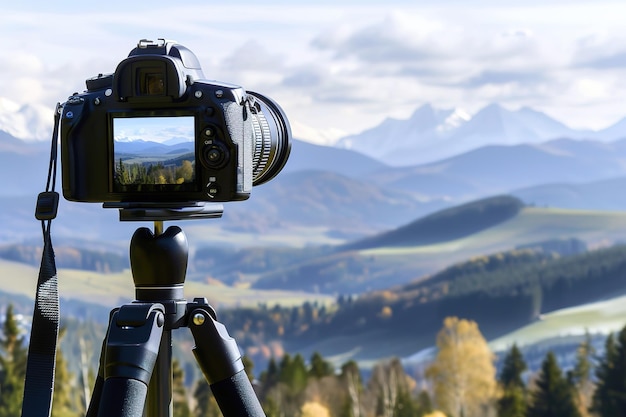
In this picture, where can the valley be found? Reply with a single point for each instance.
(342, 251)
(395, 286)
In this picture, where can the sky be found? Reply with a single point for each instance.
(340, 67)
(154, 129)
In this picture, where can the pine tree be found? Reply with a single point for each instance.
(320, 367)
(248, 365)
(405, 405)
(13, 355)
(513, 368)
(581, 376)
(293, 373)
(609, 398)
(553, 395)
(268, 378)
(65, 401)
(179, 393)
(512, 403)
(287, 394)
(206, 404)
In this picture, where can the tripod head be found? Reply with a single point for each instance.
(159, 263)
(136, 360)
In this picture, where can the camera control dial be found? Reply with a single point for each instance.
(214, 153)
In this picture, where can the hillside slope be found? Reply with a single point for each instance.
(351, 270)
(445, 225)
(499, 169)
(502, 292)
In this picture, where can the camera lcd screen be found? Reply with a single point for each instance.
(153, 153)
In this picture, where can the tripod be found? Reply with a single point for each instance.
(135, 372)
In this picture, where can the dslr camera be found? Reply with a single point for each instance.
(157, 132)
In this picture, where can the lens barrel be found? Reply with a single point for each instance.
(272, 138)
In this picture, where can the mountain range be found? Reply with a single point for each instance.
(141, 147)
(348, 222)
(28, 122)
(432, 134)
(344, 194)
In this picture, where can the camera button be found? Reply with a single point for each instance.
(212, 190)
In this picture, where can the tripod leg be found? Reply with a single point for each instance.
(160, 402)
(219, 359)
(130, 353)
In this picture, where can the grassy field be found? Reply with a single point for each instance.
(113, 289)
(602, 317)
(211, 234)
(532, 225)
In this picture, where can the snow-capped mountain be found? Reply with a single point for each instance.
(392, 135)
(431, 134)
(27, 122)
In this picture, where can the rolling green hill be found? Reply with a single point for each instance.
(446, 225)
(113, 289)
(394, 258)
(417, 282)
(379, 267)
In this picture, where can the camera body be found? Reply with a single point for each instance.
(156, 131)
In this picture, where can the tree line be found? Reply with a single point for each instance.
(159, 172)
(502, 291)
(460, 381)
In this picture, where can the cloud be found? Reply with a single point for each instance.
(252, 56)
(306, 77)
(396, 38)
(617, 60)
(601, 51)
(338, 65)
(503, 77)
(437, 51)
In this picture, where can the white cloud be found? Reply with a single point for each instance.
(342, 66)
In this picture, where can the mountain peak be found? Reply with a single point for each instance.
(493, 110)
(431, 134)
(427, 117)
(27, 122)
(493, 107)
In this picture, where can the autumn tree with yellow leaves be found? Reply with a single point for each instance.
(463, 374)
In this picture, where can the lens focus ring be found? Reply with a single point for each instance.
(272, 138)
(263, 143)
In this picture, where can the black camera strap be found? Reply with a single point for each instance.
(39, 383)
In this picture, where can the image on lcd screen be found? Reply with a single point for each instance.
(153, 150)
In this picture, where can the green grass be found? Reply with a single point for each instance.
(533, 224)
(599, 317)
(201, 235)
(114, 289)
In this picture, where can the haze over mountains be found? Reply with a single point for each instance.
(431, 134)
(349, 221)
(348, 194)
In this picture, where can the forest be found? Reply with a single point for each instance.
(175, 171)
(461, 381)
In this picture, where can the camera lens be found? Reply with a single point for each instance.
(272, 138)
